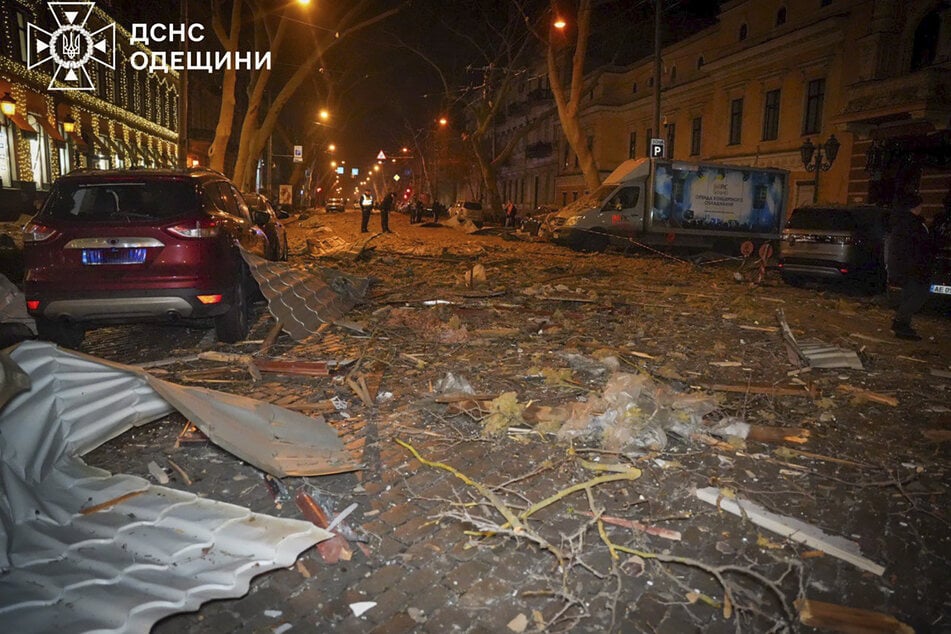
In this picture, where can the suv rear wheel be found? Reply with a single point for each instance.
(233, 325)
(64, 333)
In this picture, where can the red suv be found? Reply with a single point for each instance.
(120, 246)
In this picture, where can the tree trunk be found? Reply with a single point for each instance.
(568, 100)
(219, 146)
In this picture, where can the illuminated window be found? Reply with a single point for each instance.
(39, 153)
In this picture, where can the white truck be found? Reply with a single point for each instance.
(691, 205)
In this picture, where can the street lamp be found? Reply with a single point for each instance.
(812, 159)
(7, 105)
(69, 124)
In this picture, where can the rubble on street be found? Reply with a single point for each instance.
(534, 439)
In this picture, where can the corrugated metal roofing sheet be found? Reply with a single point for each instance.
(303, 301)
(82, 550)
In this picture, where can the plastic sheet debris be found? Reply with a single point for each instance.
(634, 413)
(452, 384)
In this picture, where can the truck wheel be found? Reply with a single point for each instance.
(587, 241)
(64, 333)
(233, 325)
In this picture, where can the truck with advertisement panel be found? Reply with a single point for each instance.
(691, 205)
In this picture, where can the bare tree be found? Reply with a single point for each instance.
(503, 49)
(273, 33)
(568, 93)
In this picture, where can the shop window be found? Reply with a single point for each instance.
(39, 153)
(8, 172)
(65, 151)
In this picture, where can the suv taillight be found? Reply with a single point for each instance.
(204, 228)
(35, 232)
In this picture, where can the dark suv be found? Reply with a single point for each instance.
(835, 242)
(114, 246)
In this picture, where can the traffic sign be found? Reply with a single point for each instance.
(658, 148)
(298, 153)
(381, 156)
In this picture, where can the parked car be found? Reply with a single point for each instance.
(835, 242)
(264, 216)
(119, 246)
(941, 278)
(467, 210)
(335, 205)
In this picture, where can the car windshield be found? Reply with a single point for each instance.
(124, 200)
(818, 219)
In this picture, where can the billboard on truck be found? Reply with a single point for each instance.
(711, 198)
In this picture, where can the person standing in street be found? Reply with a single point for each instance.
(910, 258)
(385, 207)
(511, 212)
(366, 206)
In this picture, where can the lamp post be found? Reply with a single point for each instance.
(819, 158)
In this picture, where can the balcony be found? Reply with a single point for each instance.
(916, 96)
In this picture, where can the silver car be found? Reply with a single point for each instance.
(835, 242)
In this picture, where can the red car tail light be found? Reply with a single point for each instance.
(32, 304)
(204, 228)
(36, 232)
(210, 299)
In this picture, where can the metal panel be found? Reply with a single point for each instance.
(83, 550)
(303, 301)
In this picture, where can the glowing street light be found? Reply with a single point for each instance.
(559, 23)
(324, 114)
(443, 121)
(331, 148)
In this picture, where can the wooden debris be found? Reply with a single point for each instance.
(865, 395)
(760, 328)
(167, 361)
(767, 433)
(272, 335)
(181, 472)
(191, 435)
(666, 533)
(791, 528)
(808, 390)
(334, 549)
(302, 368)
(839, 618)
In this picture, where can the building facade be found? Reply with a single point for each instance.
(773, 76)
(126, 117)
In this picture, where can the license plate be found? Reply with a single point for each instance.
(941, 290)
(97, 257)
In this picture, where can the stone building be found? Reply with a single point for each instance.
(768, 80)
(85, 107)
